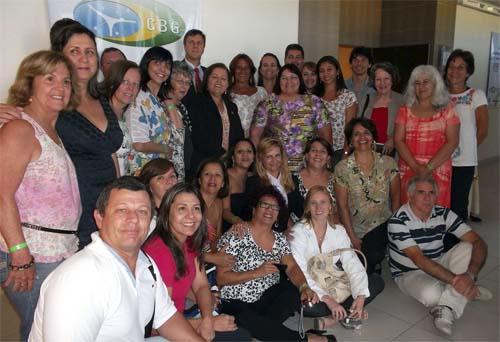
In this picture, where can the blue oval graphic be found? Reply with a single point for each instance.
(107, 19)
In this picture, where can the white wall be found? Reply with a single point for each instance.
(231, 26)
(250, 26)
(24, 28)
(472, 32)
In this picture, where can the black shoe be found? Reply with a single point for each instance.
(475, 218)
(331, 338)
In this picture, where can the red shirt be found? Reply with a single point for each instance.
(380, 116)
(163, 258)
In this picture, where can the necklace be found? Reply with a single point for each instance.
(320, 237)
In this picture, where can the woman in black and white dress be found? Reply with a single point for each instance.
(252, 290)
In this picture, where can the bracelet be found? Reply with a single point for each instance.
(22, 267)
(303, 286)
(171, 106)
(18, 247)
(429, 166)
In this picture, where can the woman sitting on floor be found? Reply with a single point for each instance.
(313, 235)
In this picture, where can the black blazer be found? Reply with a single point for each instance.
(207, 128)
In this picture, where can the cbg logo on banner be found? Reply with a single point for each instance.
(144, 24)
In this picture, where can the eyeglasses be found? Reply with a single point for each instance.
(182, 82)
(265, 205)
(127, 83)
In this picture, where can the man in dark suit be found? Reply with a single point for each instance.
(194, 46)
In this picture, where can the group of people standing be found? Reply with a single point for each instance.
(297, 164)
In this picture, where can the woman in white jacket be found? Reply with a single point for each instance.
(313, 235)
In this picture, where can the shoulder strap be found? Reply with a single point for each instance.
(340, 250)
(366, 105)
(149, 327)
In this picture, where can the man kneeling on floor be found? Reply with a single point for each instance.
(444, 281)
(111, 291)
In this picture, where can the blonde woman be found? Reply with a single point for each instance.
(315, 234)
(39, 191)
(271, 168)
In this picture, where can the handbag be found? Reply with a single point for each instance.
(329, 277)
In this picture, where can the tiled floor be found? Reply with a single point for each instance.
(394, 316)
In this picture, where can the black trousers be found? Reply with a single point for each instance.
(461, 182)
(238, 335)
(264, 318)
(375, 286)
(374, 245)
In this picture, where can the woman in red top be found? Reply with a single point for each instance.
(426, 132)
(383, 107)
(176, 247)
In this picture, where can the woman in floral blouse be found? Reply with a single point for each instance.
(339, 101)
(146, 119)
(180, 121)
(367, 192)
(291, 116)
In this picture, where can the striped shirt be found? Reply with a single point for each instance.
(406, 230)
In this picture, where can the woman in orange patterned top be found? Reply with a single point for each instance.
(426, 132)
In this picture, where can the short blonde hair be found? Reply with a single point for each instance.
(38, 64)
(264, 146)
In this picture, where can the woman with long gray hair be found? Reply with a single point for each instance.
(426, 131)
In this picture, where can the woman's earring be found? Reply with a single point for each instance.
(276, 225)
(374, 145)
(30, 99)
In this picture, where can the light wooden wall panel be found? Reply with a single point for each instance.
(319, 27)
(360, 22)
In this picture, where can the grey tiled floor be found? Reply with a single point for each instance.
(392, 315)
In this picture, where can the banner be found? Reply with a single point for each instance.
(132, 26)
(493, 88)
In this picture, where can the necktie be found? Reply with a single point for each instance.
(197, 80)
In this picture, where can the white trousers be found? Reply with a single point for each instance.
(431, 291)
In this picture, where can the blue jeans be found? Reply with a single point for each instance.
(25, 302)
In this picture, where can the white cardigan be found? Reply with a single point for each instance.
(305, 245)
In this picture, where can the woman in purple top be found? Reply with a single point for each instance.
(291, 115)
